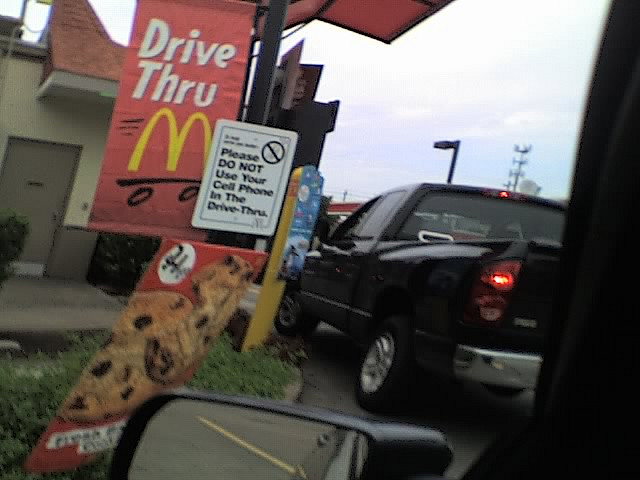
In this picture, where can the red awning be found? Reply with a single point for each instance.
(383, 20)
(343, 207)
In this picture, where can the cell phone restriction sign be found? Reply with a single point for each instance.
(245, 179)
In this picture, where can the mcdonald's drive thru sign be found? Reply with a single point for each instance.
(184, 69)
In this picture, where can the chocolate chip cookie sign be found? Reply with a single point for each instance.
(181, 305)
(88, 440)
(176, 264)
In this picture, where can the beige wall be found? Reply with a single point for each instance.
(71, 254)
(70, 121)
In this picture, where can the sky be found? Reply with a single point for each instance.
(490, 73)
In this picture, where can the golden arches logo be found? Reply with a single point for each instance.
(176, 138)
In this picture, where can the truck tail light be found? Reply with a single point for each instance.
(490, 293)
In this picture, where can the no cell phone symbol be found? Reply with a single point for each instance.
(273, 152)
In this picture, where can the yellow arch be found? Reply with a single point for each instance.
(176, 140)
(206, 130)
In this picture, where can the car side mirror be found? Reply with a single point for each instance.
(200, 436)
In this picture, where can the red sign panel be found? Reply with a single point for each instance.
(184, 301)
(184, 69)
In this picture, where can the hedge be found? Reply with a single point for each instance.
(120, 260)
(14, 229)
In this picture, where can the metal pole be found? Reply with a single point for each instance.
(267, 59)
(456, 145)
(247, 74)
(24, 9)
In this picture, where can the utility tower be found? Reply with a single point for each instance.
(515, 174)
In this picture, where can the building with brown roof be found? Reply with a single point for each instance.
(56, 99)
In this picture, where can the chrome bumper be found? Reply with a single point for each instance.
(497, 367)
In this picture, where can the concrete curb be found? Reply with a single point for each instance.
(293, 391)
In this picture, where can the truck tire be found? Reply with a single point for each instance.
(290, 321)
(387, 366)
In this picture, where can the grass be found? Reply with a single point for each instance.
(255, 373)
(28, 401)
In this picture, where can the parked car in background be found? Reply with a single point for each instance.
(457, 280)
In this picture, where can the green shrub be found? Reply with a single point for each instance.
(120, 260)
(28, 403)
(14, 229)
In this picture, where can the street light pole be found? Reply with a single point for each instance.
(449, 145)
(453, 160)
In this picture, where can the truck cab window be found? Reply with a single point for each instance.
(380, 213)
(477, 217)
(367, 222)
(351, 225)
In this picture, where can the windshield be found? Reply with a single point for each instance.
(472, 217)
(220, 195)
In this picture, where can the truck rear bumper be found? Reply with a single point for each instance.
(497, 367)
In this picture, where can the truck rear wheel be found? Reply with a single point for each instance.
(387, 366)
(290, 321)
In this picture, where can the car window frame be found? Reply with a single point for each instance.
(370, 206)
(362, 210)
(385, 225)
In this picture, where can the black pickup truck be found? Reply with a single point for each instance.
(457, 280)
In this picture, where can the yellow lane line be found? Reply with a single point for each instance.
(291, 470)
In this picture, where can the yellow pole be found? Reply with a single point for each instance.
(272, 286)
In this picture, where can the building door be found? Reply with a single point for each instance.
(34, 181)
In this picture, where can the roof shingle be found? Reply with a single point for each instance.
(79, 43)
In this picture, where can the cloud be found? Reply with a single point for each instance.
(536, 123)
(404, 112)
(117, 16)
(532, 120)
